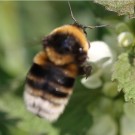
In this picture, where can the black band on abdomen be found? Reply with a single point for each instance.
(52, 74)
(46, 87)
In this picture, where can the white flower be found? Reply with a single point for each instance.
(99, 53)
(99, 50)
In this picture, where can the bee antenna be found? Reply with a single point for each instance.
(80, 25)
(99, 26)
(71, 13)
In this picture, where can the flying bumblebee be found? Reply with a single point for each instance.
(50, 80)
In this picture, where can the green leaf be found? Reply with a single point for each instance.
(28, 122)
(125, 7)
(124, 74)
(8, 125)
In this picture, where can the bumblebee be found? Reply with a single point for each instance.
(49, 83)
(50, 80)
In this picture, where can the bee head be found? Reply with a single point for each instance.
(68, 40)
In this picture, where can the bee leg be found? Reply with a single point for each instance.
(85, 70)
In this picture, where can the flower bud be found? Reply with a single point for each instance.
(125, 39)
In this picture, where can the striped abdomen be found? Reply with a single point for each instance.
(48, 87)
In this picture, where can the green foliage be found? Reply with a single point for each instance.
(122, 7)
(124, 73)
(99, 110)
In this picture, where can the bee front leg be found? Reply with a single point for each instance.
(85, 70)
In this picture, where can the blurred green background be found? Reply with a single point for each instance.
(89, 112)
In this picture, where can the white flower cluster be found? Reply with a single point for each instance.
(99, 53)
